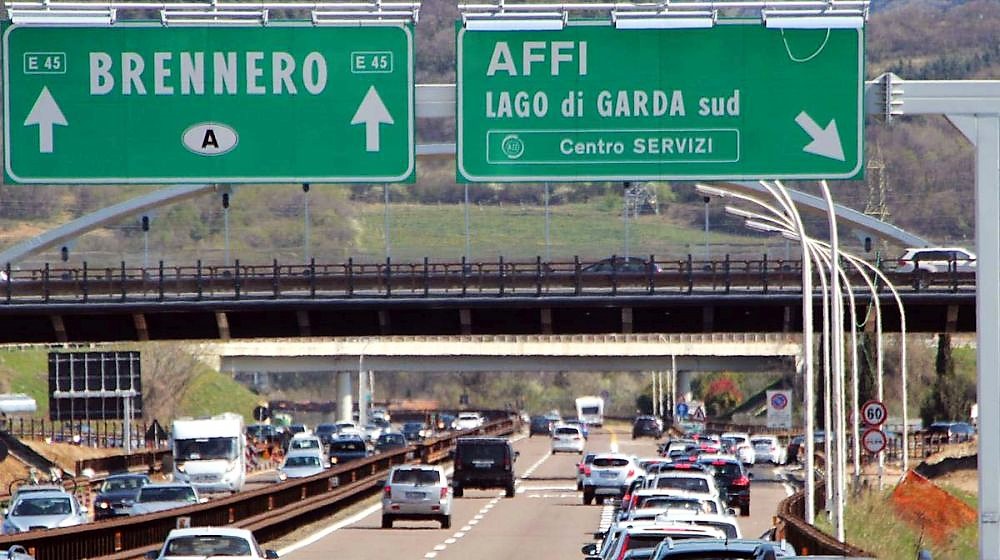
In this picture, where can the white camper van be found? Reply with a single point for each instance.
(210, 452)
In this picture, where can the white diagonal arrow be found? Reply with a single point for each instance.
(372, 113)
(46, 114)
(825, 141)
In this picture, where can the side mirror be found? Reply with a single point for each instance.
(599, 535)
(270, 554)
(750, 475)
(589, 549)
(731, 511)
(516, 455)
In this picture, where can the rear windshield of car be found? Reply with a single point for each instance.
(646, 422)
(43, 506)
(567, 431)
(689, 484)
(208, 545)
(482, 454)
(668, 502)
(304, 444)
(610, 462)
(347, 446)
(728, 470)
(171, 494)
(302, 461)
(418, 477)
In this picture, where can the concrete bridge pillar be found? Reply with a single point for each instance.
(684, 386)
(345, 398)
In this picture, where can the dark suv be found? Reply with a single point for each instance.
(733, 480)
(484, 462)
(646, 426)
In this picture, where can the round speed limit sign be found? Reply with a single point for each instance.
(874, 413)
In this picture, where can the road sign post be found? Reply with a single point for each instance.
(144, 103)
(737, 101)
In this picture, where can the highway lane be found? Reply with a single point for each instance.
(546, 519)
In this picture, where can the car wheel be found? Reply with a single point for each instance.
(458, 492)
(446, 522)
(387, 522)
(600, 500)
(510, 490)
(588, 498)
(745, 510)
(579, 486)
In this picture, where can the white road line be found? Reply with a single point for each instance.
(467, 528)
(440, 547)
(459, 535)
(452, 540)
(330, 529)
(474, 522)
(477, 517)
(431, 555)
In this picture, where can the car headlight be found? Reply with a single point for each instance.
(333, 461)
(102, 505)
(179, 467)
(282, 475)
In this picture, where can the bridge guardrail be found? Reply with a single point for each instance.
(426, 279)
(269, 512)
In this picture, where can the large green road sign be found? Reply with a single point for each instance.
(591, 102)
(153, 104)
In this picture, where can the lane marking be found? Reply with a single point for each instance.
(477, 517)
(452, 540)
(467, 528)
(440, 547)
(474, 522)
(459, 535)
(330, 529)
(431, 555)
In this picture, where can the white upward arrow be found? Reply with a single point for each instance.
(46, 114)
(825, 141)
(372, 113)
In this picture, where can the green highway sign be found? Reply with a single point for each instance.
(590, 102)
(144, 103)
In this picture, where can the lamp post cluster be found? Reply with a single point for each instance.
(836, 270)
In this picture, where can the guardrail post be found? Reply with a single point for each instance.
(427, 279)
(729, 278)
(312, 277)
(763, 268)
(45, 283)
(614, 274)
(538, 276)
(350, 276)
(500, 277)
(650, 270)
(576, 275)
(275, 292)
(84, 287)
(122, 279)
(690, 273)
(236, 279)
(465, 276)
(388, 277)
(6, 282)
(159, 281)
(198, 280)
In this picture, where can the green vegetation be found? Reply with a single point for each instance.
(873, 526)
(26, 371)
(211, 392)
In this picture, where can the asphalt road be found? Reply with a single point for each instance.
(546, 519)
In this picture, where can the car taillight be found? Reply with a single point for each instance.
(630, 473)
(388, 491)
(444, 492)
(586, 470)
(741, 481)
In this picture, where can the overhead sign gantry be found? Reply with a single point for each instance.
(658, 94)
(223, 94)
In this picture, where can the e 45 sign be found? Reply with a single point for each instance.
(590, 102)
(143, 103)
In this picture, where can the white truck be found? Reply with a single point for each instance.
(590, 410)
(210, 452)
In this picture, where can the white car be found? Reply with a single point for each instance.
(163, 496)
(48, 509)
(467, 421)
(769, 448)
(307, 442)
(689, 482)
(348, 429)
(568, 439)
(211, 542)
(725, 523)
(937, 259)
(416, 492)
(744, 449)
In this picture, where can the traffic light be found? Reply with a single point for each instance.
(145, 223)
(64, 253)
(868, 244)
(305, 187)
(225, 200)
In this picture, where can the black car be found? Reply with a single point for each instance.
(415, 431)
(116, 495)
(346, 449)
(263, 433)
(484, 462)
(539, 425)
(734, 480)
(630, 265)
(390, 441)
(646, 426)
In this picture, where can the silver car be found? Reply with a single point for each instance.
(611, 474)
(47, 509)
(159, 497)
(417, 492)
(301, 464)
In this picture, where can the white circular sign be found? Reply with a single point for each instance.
(874, 413)
(874, 440)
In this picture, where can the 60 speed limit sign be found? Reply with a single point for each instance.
(874, 413)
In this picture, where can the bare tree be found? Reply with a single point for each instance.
(168, 370)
